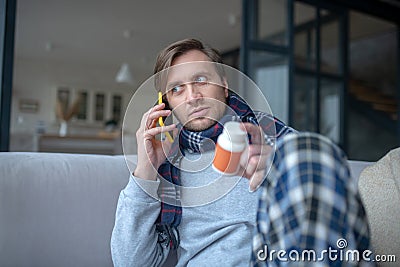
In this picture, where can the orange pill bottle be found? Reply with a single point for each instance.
(230, 145)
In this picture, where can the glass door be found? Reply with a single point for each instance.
(319, 59)
(297, 56)
(265, 52)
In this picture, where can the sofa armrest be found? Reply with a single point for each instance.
(58, 209)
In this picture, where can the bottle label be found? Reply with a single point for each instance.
(226, 161)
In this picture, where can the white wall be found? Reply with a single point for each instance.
(38, 80)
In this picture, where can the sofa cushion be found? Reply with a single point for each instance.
(379, 188)
(58, 209)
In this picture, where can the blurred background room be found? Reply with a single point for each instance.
(69, 68)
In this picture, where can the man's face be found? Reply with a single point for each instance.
(194, 91)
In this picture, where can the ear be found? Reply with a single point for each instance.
(165, 100)
(225, 84)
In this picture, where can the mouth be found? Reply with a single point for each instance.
(199, 112)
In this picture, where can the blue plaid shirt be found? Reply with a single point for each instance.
(309, 202)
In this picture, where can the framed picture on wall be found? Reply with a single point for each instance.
(28, 105)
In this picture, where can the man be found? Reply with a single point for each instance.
(221, 231)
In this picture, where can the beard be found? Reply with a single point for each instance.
(199, 124)
(216, 108)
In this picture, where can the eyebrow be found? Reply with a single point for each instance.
(172, 85)
(175, 83)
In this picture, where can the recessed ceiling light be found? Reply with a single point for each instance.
(49, 46)
(233, 19)
(127, 34)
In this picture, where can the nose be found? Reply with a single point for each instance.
(193, 94)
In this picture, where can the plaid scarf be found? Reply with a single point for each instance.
(194, 142)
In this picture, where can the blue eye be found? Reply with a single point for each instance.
(176, 89)
(201, 80)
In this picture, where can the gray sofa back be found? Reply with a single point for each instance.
(59, 209)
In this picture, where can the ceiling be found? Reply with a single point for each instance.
(107, 33)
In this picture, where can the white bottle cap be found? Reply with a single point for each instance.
(234, 133)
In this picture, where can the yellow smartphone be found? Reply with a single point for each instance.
(160, 120)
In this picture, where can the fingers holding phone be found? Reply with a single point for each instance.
(151, 152)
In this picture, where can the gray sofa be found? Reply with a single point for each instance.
(58, 209)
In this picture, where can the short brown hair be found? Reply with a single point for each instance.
(168, 54)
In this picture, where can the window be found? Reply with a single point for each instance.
(99, 107)
(116, 108)
(82, 99)
(88, 106)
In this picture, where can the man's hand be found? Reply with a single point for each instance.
(253, 162)
(152, 152)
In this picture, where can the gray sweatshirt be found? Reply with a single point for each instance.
(215, 233)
